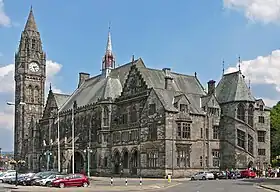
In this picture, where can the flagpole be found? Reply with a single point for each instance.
(58, 144)
(73, 142)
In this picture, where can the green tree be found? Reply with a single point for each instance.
(275, 130)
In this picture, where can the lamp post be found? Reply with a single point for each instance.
(48, 154)
(17, 164)
(88, 151)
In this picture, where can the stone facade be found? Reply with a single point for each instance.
(149, 122)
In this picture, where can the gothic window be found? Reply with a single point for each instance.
(133, 114)
(124, 117)
(207, 133)
(106, 116)
(33, 44)
(261, 136)
(184, 130)
(241, 112)
(201, 133)
(152, 109)
(261, 119)
(153, 159)
(152, 131)
(105, 161)
(251, 115)
(216, 132)
(179, 130)
(261, 152)
(182, 158)
(261, 107)
(250, 144)
(125, 136)
(241, 138)
(29, 94)
(125, 160)
(201, 162)
(216, 157)
(36, 94)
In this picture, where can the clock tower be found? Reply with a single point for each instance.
(30, 76)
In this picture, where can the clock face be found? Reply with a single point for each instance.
(34, 67)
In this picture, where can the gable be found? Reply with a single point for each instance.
(50, 105)
(134, 83)
(181, 99)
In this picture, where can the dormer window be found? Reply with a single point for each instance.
(183, 108)
(261, 107)
(152, 109)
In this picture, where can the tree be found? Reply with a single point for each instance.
(275, 130)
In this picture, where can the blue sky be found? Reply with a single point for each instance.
(187, 36)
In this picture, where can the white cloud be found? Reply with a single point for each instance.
(4, 19)
(262, 70)
(266, 11)
(7, 87)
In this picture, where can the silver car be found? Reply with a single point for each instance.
(202, 176)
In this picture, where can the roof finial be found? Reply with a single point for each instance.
(50, 86)
(223, 66)
(195, 74)
(239, 62)
(132, 60)
(249, 84)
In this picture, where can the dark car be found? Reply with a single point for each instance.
(216, 174)
(72, 180)
(32, 180)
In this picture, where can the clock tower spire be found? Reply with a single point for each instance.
(30, 75)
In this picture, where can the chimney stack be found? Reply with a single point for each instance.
(211, 87)
(168, 78)
(82, 78)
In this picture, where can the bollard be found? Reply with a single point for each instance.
(126, 181)
(112, 181)
(140, 181)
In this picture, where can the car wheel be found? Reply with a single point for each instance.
(203, 178)
(1, 181)
(61, 185)
(85, 184)
(48, 184)
(24, 183)
(192, 178)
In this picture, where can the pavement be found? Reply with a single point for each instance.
(161, 185)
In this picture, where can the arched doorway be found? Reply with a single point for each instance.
(78, 163)
(117, 162)
(125, 160)
(134, 162)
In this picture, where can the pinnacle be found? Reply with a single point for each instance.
(109, 44)
(30, 24)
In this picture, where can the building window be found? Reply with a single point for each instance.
(201, 133)
(207, 133)
(29, 95)
(105, 162)
(201, 161)
(250, 144)
(36, 95)
(216, 132)
(125, 136)
(261, 152)
(133, 114)
(152, 109)
(176, 105)
(261, 107)
(251, 115)
(206, 161)
(153, 159)
(241, 138)
(184, 130)
(261, 119)
(261, 136)
(183, 108)
(106, 117)
(216, 157)
(124, 118)
(182, 158)
(134, 135)
(153, 131)
(213, 111)
(241, 112)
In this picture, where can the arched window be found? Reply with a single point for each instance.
(36, 94)
(106, 116)
(251, 115)
(241, 112)
(29, 94)
(133, 114)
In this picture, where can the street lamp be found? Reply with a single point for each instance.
(17, 164)
(88, 151)
(48, 154)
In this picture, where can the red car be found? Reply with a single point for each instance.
(73, 180)
(248, 174)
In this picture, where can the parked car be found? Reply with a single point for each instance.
(248, 174)
(73, 180)
(202, 176)
(6, 176)
(47, 181)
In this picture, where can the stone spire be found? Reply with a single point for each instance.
(108, 62)
(30, 24)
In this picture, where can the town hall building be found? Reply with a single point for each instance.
(135, 119)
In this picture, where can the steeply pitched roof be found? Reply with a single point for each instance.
(60, 98)
(31, 24)
(100, 87)
(232, 87)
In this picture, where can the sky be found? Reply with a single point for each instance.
(186, 36)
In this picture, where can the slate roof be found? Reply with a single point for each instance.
(60, 98)
(233, 87)
(100, 87)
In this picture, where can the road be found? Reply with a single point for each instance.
(215, 186)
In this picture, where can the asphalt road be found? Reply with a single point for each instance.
(215, 186)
